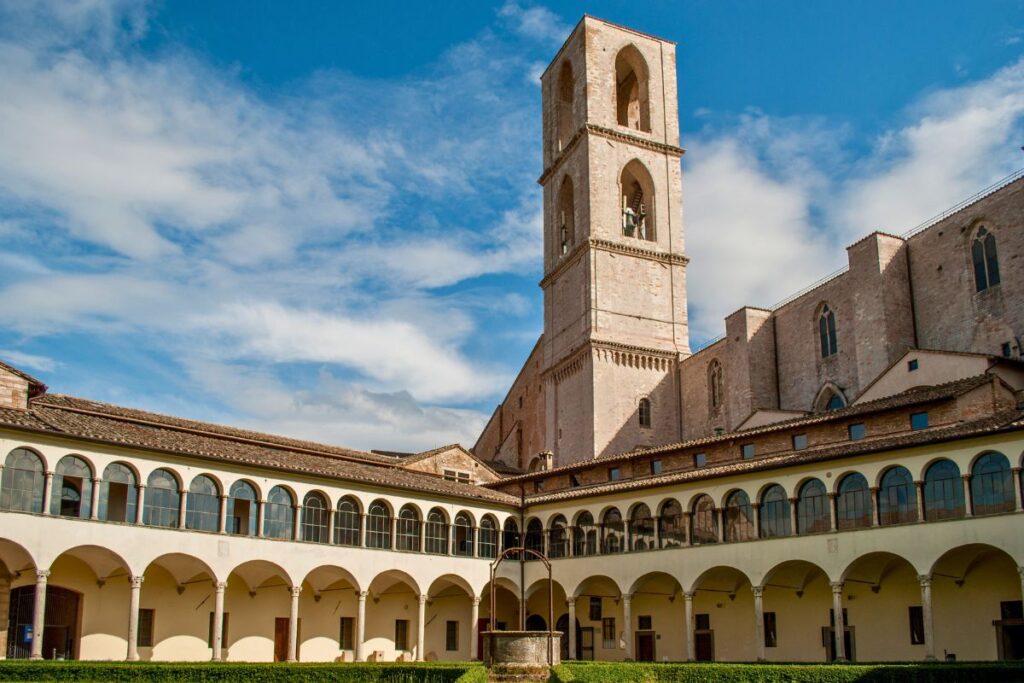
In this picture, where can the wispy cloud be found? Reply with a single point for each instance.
(29, 360)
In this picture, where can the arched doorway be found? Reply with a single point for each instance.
(563, 625)
(60, 627)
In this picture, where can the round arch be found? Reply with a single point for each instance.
(257, 573)
(182, 567)
(324, 576)
(597, 582)
(723, 578)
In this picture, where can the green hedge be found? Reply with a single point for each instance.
(965, 672)
(430, 672)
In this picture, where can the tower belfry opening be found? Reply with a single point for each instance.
(632, 96)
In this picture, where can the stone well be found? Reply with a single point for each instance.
(521, 647)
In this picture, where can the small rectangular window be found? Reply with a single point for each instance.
(702, 622)
(608, 633)
(449, 475)
(912, 365)
(644, 623)
(401, 634)
(770, 637)
(573, 481)
(346, 633)
(595, 609)
(463, 477)
(700, 460)
(916, 625)
(613, 474)
(1011, 609)
(799, 442)
(451, 636)
(538, 486)
(918, 420)
(655, 467)
(857, 431)
(1007, 349)
(145, 634)
(223, 631)
(747, 451)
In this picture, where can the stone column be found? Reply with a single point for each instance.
(687, 535)
(627, 616)
(421, 626)
(571, 635)
(833, 508)
(720, 523)
(1017, 502)
(968, 502)
(5, 610)
(330, 526)
(688, 626)
(919, 485)
(223, 526)
(360, 626)
(793, 529)
(394, 534)
(182, 507)
(48, 493)
(296, 522)
(133, 618)
(474, 627)
(657, 533)
(756, 507)
(875, 517)
(926, 614)
(476, 542)
(140, 503)
(293, 625)
(758, 622)
(259, 518)
(218, 620)
(423, 536)
(39, 613)
(361, 541)
(839, 628)
(94, 507)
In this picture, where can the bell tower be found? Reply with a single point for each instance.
(614, 268)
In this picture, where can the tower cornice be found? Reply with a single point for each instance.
(611, 134)
(615, 248)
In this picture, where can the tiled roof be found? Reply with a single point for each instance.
(918, 395)
(1000, 422)
(79, 418)
(36, 384)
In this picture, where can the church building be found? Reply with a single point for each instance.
(837, 477)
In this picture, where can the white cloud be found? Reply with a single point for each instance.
(537, 23)
(30, 361)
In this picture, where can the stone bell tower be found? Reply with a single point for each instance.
(614, 270)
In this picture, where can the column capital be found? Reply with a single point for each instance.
(182, 492)
(571, 602)
(42, 574)
(296, 590)
(758, 591)
(627, 598)
(220, 586)
(423, 598)
(966, 476)
(49, 474)
(140, 486)
(97, 480)
(837, 586)
(1015, 470)
(925, 580)
(224, 496)
(476, 600)
(919, 483)
(756, 505)
(361, 595)
(136, 581)
(874, 489)
(1020, 570)
(688, 595)
(793, 500)
(832, 495)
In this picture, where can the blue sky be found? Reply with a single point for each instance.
(322, 220)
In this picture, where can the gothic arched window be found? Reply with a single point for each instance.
(644, 409)
(637, 200)
(985, 259)
(715, 384)
(827, 331)
(739, 517)
(566, 216)
(563, 113)
(632, 97)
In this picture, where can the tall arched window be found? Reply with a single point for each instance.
(162, 500)
(202, 507)
(279, 514)
(243, 510)
(671, 525)
(564, 111)
(812, 508)
(636, 191)
(991, 485)
(378, 525)
(23, 482)
(314, 518)
(774, 512)
(715, 384)
(72, 488)
(510, 534)
(566, 216)
(558, 537)
(462, 536)
(739, 517)
(584, 536)
(613, 532)
(436, 542)
(347, 525)
(943, 491)
(703, 524)
(854, 502)
(641, 528)
(632, 96)
(985, 259)
(118, 493)
(488, 543)
(534, 537)
(827, 331)
(407, 529)
(897, 497)
(644, 411)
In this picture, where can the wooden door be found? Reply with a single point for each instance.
(281, 639)
(481, 626)
(586, 644)
(704, 646)
(645, 646)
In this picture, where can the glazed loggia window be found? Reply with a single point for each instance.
(943, 491)
(671, 524)
(279, 514)
(162, 500)
(641, 528)
(775, 513)
(346, 522)
(23, 482)
(585, 535)
(436, 541)
(897, 497)
(488, 542)
(739, 517)
(853, 503)
(558, 537)
(812, 508)
(992, 485)
(72, 488)
(407, 529)
(378, 525)
(314, 518)
(242, 509)
(202, 506)
(703, 522)
(118, 493)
